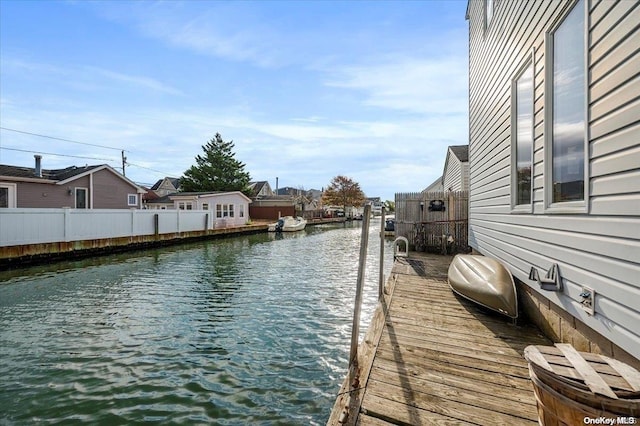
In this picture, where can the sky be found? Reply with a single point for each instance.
(306, 90)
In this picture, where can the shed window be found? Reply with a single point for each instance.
(522, 135)
(568, 108)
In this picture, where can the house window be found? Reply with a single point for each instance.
(488, 12)
(81, 198)
(132, 199)
(205, 206)
(219, 210)
(241, 210)
(231, 210)
(522, 135)
(7, 195)
(567, 111)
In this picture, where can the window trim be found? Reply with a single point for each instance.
(75, 197)
(529, 62)
(489, 18)
(564, 207)
(135, 197)
(12, 194)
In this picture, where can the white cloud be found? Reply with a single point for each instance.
(139, 81)
(415, 85)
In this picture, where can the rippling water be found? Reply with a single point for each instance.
(247, 330)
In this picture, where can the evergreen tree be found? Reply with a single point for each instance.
(216, 170)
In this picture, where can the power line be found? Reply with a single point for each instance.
(60, 139)
(57, 155)
(147, 168)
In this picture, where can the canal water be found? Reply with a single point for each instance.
(245, 330)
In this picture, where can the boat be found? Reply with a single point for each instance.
(390, 226)
(288, 224)
(485, 281)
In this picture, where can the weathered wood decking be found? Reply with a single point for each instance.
(430, 358)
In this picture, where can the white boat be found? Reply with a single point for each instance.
(288, 224)
(485, 281)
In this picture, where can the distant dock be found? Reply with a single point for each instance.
(430, 357)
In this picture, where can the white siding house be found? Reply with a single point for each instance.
(554, 154)
(456, 169)
(228, 208)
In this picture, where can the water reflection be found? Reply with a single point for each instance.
(244, 330)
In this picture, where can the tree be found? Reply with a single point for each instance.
(343, 191)
(216, 170)
(390, 206)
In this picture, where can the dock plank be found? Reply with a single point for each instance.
(439, 359)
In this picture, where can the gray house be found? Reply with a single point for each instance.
(554, 154)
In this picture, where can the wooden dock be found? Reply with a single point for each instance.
(432, 358)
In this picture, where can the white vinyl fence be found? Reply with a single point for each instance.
(34, 226)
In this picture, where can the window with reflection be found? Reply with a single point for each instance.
(569, 96)
(524, 135)
(488, 12)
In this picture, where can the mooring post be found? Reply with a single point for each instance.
(381, 274)
(355, 330)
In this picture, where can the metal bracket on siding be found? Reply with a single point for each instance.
(551, 281)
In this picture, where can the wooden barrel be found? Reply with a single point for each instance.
(570, 386)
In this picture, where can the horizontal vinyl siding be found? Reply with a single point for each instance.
(601, 249)
(453, 174)
(111, 192)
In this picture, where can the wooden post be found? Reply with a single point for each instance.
(156, 224)
(355, 330)
(381, 274)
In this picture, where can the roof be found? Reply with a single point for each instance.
(193, 195)
(59, 176)
(256, 187)
(461, 152)
(174, 181)
(53, 174)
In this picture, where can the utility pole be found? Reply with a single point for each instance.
(124, 162)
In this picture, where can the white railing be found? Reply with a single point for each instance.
(34, 226)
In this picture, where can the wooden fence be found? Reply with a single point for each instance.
(433, 221)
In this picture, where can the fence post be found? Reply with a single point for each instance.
(355, 330)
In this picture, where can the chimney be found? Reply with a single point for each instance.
(38, 165)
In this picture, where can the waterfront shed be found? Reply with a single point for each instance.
(229, 208)
(80, 187)
(554, 150)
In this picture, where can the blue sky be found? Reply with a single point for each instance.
(306, 90)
